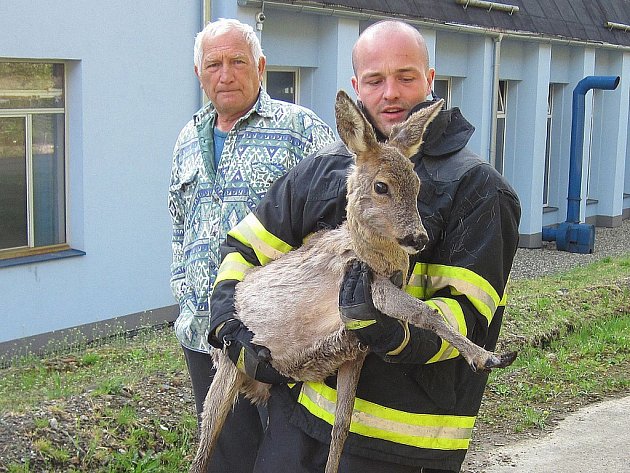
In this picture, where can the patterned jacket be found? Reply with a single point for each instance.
(205, 202)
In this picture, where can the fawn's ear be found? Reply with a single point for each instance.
(407, 136)
(352, 126)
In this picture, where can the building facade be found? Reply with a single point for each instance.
(92, 98)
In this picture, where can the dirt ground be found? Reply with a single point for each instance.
(159, 398)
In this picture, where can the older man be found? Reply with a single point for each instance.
(224, 160)
(416, 398)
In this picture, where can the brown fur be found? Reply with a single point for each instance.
(291, 304)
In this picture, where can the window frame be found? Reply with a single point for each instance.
(27, 113)
(449, 87)
(501, 115)
(291, 69)
(548, 146)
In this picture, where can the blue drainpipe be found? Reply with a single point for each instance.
(573, 236)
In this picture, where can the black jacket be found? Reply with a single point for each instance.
(471, 215)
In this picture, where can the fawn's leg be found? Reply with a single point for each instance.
(221, 397)
(347, 380)
(396, 303)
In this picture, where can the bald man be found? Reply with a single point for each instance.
(417, 399)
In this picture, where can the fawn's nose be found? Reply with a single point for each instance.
(414, 243)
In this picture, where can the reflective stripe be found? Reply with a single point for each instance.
(453, 315)
(232, 267)
(440, 432)
(427, 279)
(252, 233)
(404, 343)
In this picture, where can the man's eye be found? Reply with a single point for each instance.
(381, 187)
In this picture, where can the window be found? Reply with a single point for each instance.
(547, 175)
(442, 89)
(590, 179)
(282, 85)
(32, 158)
(500, 138)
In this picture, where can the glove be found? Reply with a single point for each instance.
(385, 335)
(251, 359)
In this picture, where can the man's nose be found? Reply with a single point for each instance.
(391, 89)
(226, 73)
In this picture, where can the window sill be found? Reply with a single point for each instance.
(69, 253)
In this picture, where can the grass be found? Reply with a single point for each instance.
(119, 404)
(573, 333)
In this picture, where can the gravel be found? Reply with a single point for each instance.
(547, 260)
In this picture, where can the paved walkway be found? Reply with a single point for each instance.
(594, 439)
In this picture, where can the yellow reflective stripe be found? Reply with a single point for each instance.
(503, 301)
(468, 283)
(441, 432)
(427, 279)
(453, 315)
(417, 284)
(232, 267)
(404, 343)
(252, 233)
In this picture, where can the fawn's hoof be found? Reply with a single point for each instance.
(500, 361)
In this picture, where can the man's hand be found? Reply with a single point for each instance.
(385, 335)
(251, 359)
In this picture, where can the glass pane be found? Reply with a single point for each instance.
(501, 103)
(440, 89)
(31, 85)
(281, 85)
(500, 148)
(48, 179)
(547, 164)
(13, 203)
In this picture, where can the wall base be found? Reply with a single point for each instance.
(60, 340)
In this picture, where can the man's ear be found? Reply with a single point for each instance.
(355, 86)
(261, 67)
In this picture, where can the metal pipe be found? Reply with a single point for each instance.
(571, 235)
(577, 139)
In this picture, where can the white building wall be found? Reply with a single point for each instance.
(131, 88)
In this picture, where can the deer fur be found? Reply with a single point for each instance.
(291, 304)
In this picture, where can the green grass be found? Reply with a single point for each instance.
(103, 369)
(572, 331)
(573, 335)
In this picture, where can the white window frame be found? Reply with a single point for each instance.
(294, 70)
(499, 158)
(548, 146)
(449, 87)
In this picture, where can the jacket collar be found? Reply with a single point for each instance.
(448, 132)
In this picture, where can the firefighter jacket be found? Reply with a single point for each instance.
(419, 406)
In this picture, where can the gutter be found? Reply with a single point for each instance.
(367, 15)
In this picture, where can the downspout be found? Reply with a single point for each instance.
(571, 235)
(495, 98)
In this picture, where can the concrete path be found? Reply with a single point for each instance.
(594, 439)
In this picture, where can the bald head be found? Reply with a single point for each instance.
(391, 72)
(378, 33)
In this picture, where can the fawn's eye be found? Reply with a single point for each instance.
(380, 187)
